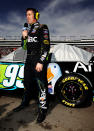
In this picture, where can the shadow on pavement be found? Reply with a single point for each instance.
(14, 120)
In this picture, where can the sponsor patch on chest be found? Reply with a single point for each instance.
(32, 39)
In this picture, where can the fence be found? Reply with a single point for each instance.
(54, 38)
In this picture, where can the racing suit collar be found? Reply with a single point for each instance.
(34, 24)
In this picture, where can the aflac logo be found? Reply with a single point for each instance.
(80, 65)
(32, 39)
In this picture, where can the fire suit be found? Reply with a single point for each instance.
(37, 45)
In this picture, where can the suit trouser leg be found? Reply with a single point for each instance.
(41, 78)
(31, 75)
(28, 83)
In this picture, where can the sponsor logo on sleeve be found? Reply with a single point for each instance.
(45, 31)
(46, 42)
(46, 36)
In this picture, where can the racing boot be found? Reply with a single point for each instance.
(41, 115)
(24, 103)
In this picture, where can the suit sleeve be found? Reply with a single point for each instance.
(23, 43)
(45, 44)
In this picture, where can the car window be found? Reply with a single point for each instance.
(19, 55)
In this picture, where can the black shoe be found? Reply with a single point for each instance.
(41, 115)
(19, 108)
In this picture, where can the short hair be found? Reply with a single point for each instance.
(34, 10)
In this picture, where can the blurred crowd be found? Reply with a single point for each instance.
(6, 50)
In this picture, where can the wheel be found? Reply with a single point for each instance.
(74, 89)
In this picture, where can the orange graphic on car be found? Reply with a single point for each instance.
(50, 75)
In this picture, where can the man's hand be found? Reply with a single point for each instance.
(24, 34)
(39, 67)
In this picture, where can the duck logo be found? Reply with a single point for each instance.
(50, 75)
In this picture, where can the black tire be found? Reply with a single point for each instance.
(74, 89)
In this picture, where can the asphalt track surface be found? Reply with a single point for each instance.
(59, 117)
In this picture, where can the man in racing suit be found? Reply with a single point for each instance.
(35, 39)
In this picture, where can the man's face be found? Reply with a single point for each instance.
(30, 17)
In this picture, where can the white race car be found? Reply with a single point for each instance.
(69, 73)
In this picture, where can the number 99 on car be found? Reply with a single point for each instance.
(11, 76)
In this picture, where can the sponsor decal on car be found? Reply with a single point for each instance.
(11, 76)
(50, 75)
(50, 88)
(68, 104)
(78, 80)
(80, 65)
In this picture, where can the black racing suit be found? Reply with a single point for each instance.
(37, 44)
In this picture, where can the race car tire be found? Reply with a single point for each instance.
(74, 89)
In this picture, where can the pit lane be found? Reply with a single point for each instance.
(59, 117)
